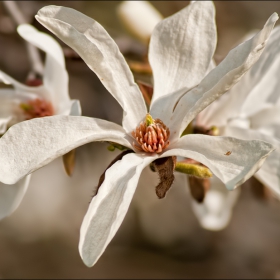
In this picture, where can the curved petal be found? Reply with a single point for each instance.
(257, 89)
(108, 208)
(22, 89)
(215, 211)
(11, 196)
(269, 173)
(29, 145)
(221, 79)
(181, 49)
(245, 159)
(55, 75)
(90, 40)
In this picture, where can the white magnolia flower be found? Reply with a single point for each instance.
(250, 110)
(132, 13)
(181, 50)
(25, 102)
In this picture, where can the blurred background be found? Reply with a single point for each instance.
(158, 238)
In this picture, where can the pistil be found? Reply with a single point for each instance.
(151, 135)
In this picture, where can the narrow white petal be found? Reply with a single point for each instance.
(181, 49)
(216, 210)
(55, 75)
(256, 90)
(108, 208)
(132, 13)
(222, 78)
(29, 145)
(22, 89)
(90, 40)
(269, 173)
(245, 157)
(11, 196)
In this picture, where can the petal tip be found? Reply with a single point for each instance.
(275, 16)
(25, 28)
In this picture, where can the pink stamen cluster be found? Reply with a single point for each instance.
(151, 138)
(37, 108)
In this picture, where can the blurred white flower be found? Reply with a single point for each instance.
(250, 110)
(140, 18)
(181, 50)
(26, 102)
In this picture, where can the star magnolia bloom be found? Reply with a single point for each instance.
(25, 102)
(250, 110)
(181, 50)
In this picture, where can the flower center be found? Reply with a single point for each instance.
(37, 108)
(151, 136)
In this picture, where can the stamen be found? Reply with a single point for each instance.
(151, 135)
(37, 108)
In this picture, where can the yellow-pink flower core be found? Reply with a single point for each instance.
(37, 108)
(151, 136)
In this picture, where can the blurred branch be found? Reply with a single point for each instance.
(33, 53)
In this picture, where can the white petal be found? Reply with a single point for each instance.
(132, 13)
(4, 124)
(22, 89)
(11, 196)
(221, 79)
(181, 49)
(6, 108)
(29, 145)
(269, 173)
(245, 159)
(256, 90)
(10, 111)
(55, 75)
(72, 108)
(215, 211)
(108, 208)
(90, 40)
(76, 109)
(267, 119)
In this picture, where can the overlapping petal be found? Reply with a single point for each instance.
(91, 41)
(221, 79)
(216, 210)
(20, 88)
(256, 91)
(181, 49)
(12, 195)
(29, 145)
(55, 75)
(244, 160)
(108, 209)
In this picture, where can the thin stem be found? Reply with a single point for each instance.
(33, 53)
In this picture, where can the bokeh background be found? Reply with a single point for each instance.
(158, 238)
